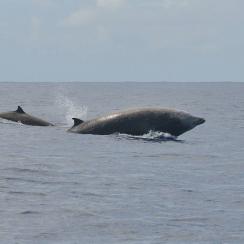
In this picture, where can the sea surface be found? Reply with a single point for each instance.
(64, 188)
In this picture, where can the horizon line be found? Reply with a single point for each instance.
(126, 81)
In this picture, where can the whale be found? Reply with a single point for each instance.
(21, 116)
(138, 122)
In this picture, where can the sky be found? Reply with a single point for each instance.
(121, 40)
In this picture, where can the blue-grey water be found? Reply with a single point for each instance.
(58, 187)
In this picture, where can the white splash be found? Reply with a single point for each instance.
(152, 136)
(71, 109)
(157, 135)
(5, 121)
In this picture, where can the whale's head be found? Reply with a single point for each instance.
(181, 122)
(177, 122)
(189, 122)
(197, 121)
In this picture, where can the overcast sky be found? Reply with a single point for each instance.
(121, 40)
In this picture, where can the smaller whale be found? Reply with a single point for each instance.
(20, 116)
(139, 122)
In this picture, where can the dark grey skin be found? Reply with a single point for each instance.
(139, 122)
(20, 116)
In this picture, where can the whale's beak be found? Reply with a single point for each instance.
(200, 121)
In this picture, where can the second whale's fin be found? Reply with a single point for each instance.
(77, 121)
(20, 110)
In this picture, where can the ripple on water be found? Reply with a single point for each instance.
(27, 212)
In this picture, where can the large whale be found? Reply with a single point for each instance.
(139, 122)
(20, 116)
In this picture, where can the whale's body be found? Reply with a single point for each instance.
(20, 116)
(139, 122)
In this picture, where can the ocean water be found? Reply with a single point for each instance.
(59, 187)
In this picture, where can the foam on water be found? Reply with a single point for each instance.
(152, 136)
(5, 121)
(71, 109)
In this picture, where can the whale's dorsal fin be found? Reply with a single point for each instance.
(77, 121)
(20, 110)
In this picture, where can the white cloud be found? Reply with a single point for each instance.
(102, 33)
(82, 16)
(176, 3)
(167, 4)
(35, 28)
(45, 3)
(111, 4)
(93, 14)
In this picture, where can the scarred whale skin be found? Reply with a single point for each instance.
(20, 116)
(139, 122)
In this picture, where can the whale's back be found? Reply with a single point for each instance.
(138, 122)
(20, 116)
